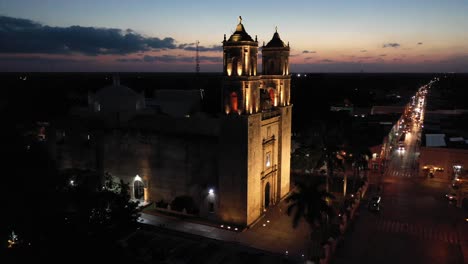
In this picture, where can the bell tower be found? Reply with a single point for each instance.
(275, 65)
(255, 133)
(240, 84)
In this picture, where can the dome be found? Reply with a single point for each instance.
(275, 42)
(240, 34)
(117, 98)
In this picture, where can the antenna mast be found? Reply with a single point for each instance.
(197, 58)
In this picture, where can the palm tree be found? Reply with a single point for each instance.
(331, 139)
(309, 202)
(332, 159)
(358, 160)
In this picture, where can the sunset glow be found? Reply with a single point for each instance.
(335, 36)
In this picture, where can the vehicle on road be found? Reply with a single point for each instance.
(401, 147)
(374, 203)
(451, 196)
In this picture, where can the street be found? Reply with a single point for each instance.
(416, 223)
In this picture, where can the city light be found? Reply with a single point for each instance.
(211, 191)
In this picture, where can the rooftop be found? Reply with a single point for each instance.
(240, 34)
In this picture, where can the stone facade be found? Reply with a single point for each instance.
(233, 166)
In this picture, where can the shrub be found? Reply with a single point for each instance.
(162, 204)
(184, 201)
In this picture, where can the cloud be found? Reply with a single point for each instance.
(326, 60)
(129, 60)
(363, 50)
(163, 58)
(383, 55)
(192, 47)
(391, 45)
(420, 43)
(172, 59)
(26, 36)
(211, 59)
(40, 59)
(309, 51)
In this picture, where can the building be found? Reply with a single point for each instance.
(231, 166)
(444, 150)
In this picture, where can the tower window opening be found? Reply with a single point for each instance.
(272, 96)
(234, 101)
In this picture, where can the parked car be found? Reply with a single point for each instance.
(374, 203)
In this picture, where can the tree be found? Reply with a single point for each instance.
(331, 140)
(332, 159)
(308, 202)
(358, 160)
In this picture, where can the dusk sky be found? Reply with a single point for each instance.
(153, 35)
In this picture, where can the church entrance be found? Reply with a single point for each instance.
(267, 195)
(138, 189)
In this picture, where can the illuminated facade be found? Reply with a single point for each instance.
(233, 166)
(258, 114)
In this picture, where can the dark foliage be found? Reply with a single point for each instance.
(184, 202)
(308, 202)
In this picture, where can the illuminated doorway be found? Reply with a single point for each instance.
(138, 189)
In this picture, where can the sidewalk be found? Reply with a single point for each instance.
(272, 233)
(174, 223)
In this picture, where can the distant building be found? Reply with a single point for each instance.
(387, 109)
(232, 166)
(444, 148)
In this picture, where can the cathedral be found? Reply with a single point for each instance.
(232, 166)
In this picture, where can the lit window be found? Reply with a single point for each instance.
(268, 160)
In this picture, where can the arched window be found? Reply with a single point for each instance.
(271, 67)
(233, 101)
(235, 66)
(253, 65)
